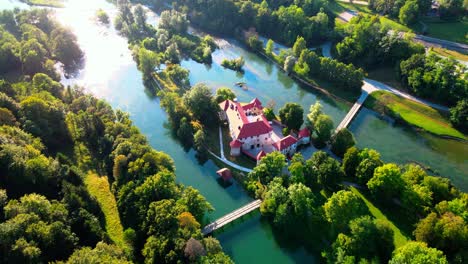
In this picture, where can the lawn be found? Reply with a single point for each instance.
(413, 113)
(454, 31)
(212, 142)
(399, 239)
(99, 188)
(51, 3)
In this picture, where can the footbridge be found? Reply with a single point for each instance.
(234, 215)
(352, 112)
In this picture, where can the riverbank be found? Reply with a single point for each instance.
(412, 113)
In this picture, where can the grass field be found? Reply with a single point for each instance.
(450, 54)
(51, 3)
(399, 239)
(413, 113)
(454, 31)
(99, 188)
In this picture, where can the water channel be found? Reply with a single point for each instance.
(111, 74)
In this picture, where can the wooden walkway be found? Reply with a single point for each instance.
(231, 217)
(352, 112)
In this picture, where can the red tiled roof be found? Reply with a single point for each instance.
(304, 133)
(254, 129)
(285, 142)
(235, 144)
(254, 103)
(246, 129)
(260, 155)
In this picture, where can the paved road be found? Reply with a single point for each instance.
(435, 42)
(373, 85)
(425, 40)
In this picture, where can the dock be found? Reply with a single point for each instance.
(234, 215)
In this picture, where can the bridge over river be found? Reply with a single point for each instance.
(234, 215)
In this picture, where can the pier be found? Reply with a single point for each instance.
(234, 215)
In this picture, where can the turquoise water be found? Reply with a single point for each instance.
(444, 157)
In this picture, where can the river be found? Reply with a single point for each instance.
(111, 74)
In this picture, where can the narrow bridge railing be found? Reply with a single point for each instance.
(231, 217)
(352, 112)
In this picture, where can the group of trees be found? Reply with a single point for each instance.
(169, 43)
(291, 200)
(32, 42)
(234, 64)
(282, 21)
(437, 208)
(408, 11)
(307, 64)
(191, 112)
(50, 138)
(441, 79)
(369, 43)
(319, 124)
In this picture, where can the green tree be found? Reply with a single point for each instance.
(459, 115)
(32, 54)
(199, 140)
(445, 231)
(369, 161)
(351, 161)
(147, 62)
(102, 16)
(66, 49)
(292, 115)
(314, 112)
(172, 53)
(269, 113)
(270, 166)
(323, 129)
(451, 9)
(342, 207)
(367, 239)
(417, 253)
(201, 103)
(223, 94)
(386, 182)
(299, 46)
(409, 12)
(326, 169)
(341, 141)
(269, 47)
(101, 253)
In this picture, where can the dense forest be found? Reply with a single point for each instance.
(58, 143)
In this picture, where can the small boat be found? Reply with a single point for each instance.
(243, 85)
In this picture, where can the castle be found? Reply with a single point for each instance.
(255, 136)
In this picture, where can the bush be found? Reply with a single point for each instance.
(234, 64)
